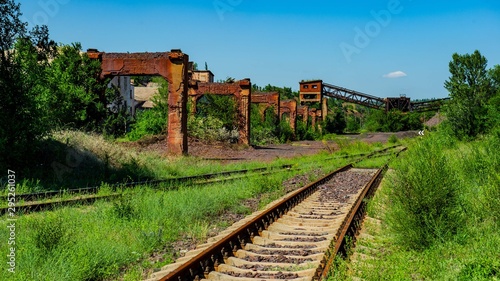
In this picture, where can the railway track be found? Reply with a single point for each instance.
(40, 201)
(36, 202)
(295, 238)
(93, 190)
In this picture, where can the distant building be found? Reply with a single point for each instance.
(202, 76)
(123, 85)
(144, 95)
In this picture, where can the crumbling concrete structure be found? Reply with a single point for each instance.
(241, 90)
(303, 112)
(173, 66)
(289, 107)
(267, 100)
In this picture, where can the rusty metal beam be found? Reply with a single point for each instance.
(428, 105)
(353, 96)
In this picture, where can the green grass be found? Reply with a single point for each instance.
(117, 239)
(440, 215)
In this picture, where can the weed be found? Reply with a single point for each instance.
(124, 209)
(393, 139)
(51, 233)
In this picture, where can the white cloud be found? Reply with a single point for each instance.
(395, 74)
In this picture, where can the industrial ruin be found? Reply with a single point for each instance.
(185, 83)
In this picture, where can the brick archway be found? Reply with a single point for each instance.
(173, 67)
(241, 90)
(266, 100)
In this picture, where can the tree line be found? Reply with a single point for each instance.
(45, 86)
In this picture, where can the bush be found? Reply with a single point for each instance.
(393, 139)
(424, 194)
(148, 122)
(211, 129)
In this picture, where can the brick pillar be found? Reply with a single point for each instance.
(305, 116)
(324, 108)
(313, 118)
(177, 104)
(244, 111)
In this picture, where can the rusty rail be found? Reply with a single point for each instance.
(43, 206)
(210, 258)
(350, 224)
(92, 190)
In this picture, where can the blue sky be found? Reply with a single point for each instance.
(353, 44)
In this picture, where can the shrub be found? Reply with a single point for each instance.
(148, 122)
(50, 234)
(424, 194)
(211, 129)
(393, 139)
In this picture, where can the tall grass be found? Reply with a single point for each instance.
(425, 196)
(439, 212)
(110, 240)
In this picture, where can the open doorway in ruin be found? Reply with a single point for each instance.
(173, 67)
(238, 91)
(215, 118)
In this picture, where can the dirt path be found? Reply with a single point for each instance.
(231, 153)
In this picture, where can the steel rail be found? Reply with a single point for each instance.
(352, 223)
(92, 190)
(43, 206)
(209, 259)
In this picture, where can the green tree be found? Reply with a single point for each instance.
(336, 121)
(78, 98)
(494, 102)
(263, 130)
(23, 59)
(286, 93)
(470, 89)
